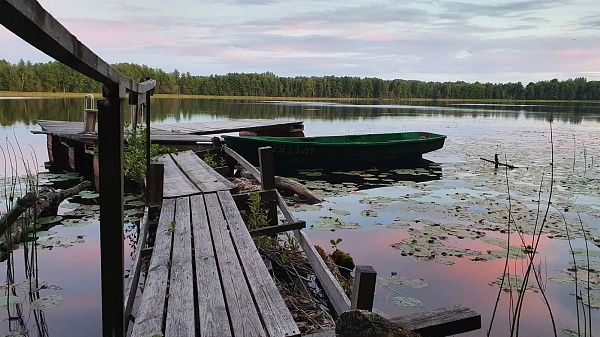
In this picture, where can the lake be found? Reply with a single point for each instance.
(437, 235)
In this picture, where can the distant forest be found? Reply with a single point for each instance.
(55, 77)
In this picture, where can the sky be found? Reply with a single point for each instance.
(485, 40)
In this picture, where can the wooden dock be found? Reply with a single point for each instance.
(179, 133)
(206, 276)
(71, 147)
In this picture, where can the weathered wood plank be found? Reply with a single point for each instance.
(131, 283)
(242, 161)
(441, 322)
(242, 311)
(219, 127)
(338, 298)
(149, 317)
(276, 316)
(199, 173)
(271, 230)
(212, 311)
(180, 311)
(175, 183)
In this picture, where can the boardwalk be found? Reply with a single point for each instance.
(178, 133)
(205, 272)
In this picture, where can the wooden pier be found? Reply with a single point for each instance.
(71, 147)
(206, 276)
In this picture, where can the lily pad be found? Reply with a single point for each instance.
(9, 300)
(405, 281)
(88, 195)
(340, 212)
(61, 241)
(368, 213)
(48, 219)
(327, 223)
(46, 302)
(405, 301)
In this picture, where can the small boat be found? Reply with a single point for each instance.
(351, 151)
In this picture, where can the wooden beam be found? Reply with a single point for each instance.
(110, 147)
(363, 288)
(134, 274)
(31, 22)
(338, 298)
(271, 230)
(445, 321)
(267, 173)
(242, 161)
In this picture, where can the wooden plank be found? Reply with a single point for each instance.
(271, 230)
(242, 161)
(242, 311)
(149, 317)
(30, 21)
(276, 315)
(338, 298)
(180, 312)
(441, 322)
(218, 127)
(175, 183)
(131, 283)
(204, 177)
(212, 311)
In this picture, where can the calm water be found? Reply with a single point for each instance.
(379, 218)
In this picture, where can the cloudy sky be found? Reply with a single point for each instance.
(525, 40)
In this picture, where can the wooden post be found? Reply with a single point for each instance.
(267, 173)
(90, 120)
(496, 161)
(148, 141)
(363, 288)
(110, 148)
(154, 184)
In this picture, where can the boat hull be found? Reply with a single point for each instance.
(350, 152)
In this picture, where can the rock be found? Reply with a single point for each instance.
(362, 323)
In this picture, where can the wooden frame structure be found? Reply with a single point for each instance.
(31, 22)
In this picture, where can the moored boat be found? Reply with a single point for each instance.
(349, 151)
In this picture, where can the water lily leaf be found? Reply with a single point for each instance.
(340, 212)
(309, 208)
(405, 301)
(75, 222)
(88, 195)
(405, 281)
(327, 223)
(369, 213)
(9, 300)
(48, 219)
(61, 241)
(46, 302)
(40, 234)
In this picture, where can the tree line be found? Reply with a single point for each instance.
(55, 77)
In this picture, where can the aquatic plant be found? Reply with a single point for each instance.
(257, 216)
(134, 155)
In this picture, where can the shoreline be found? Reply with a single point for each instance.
(51, 95)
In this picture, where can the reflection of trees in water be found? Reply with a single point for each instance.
(27, 111)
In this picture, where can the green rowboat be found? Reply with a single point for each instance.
(352, 151)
